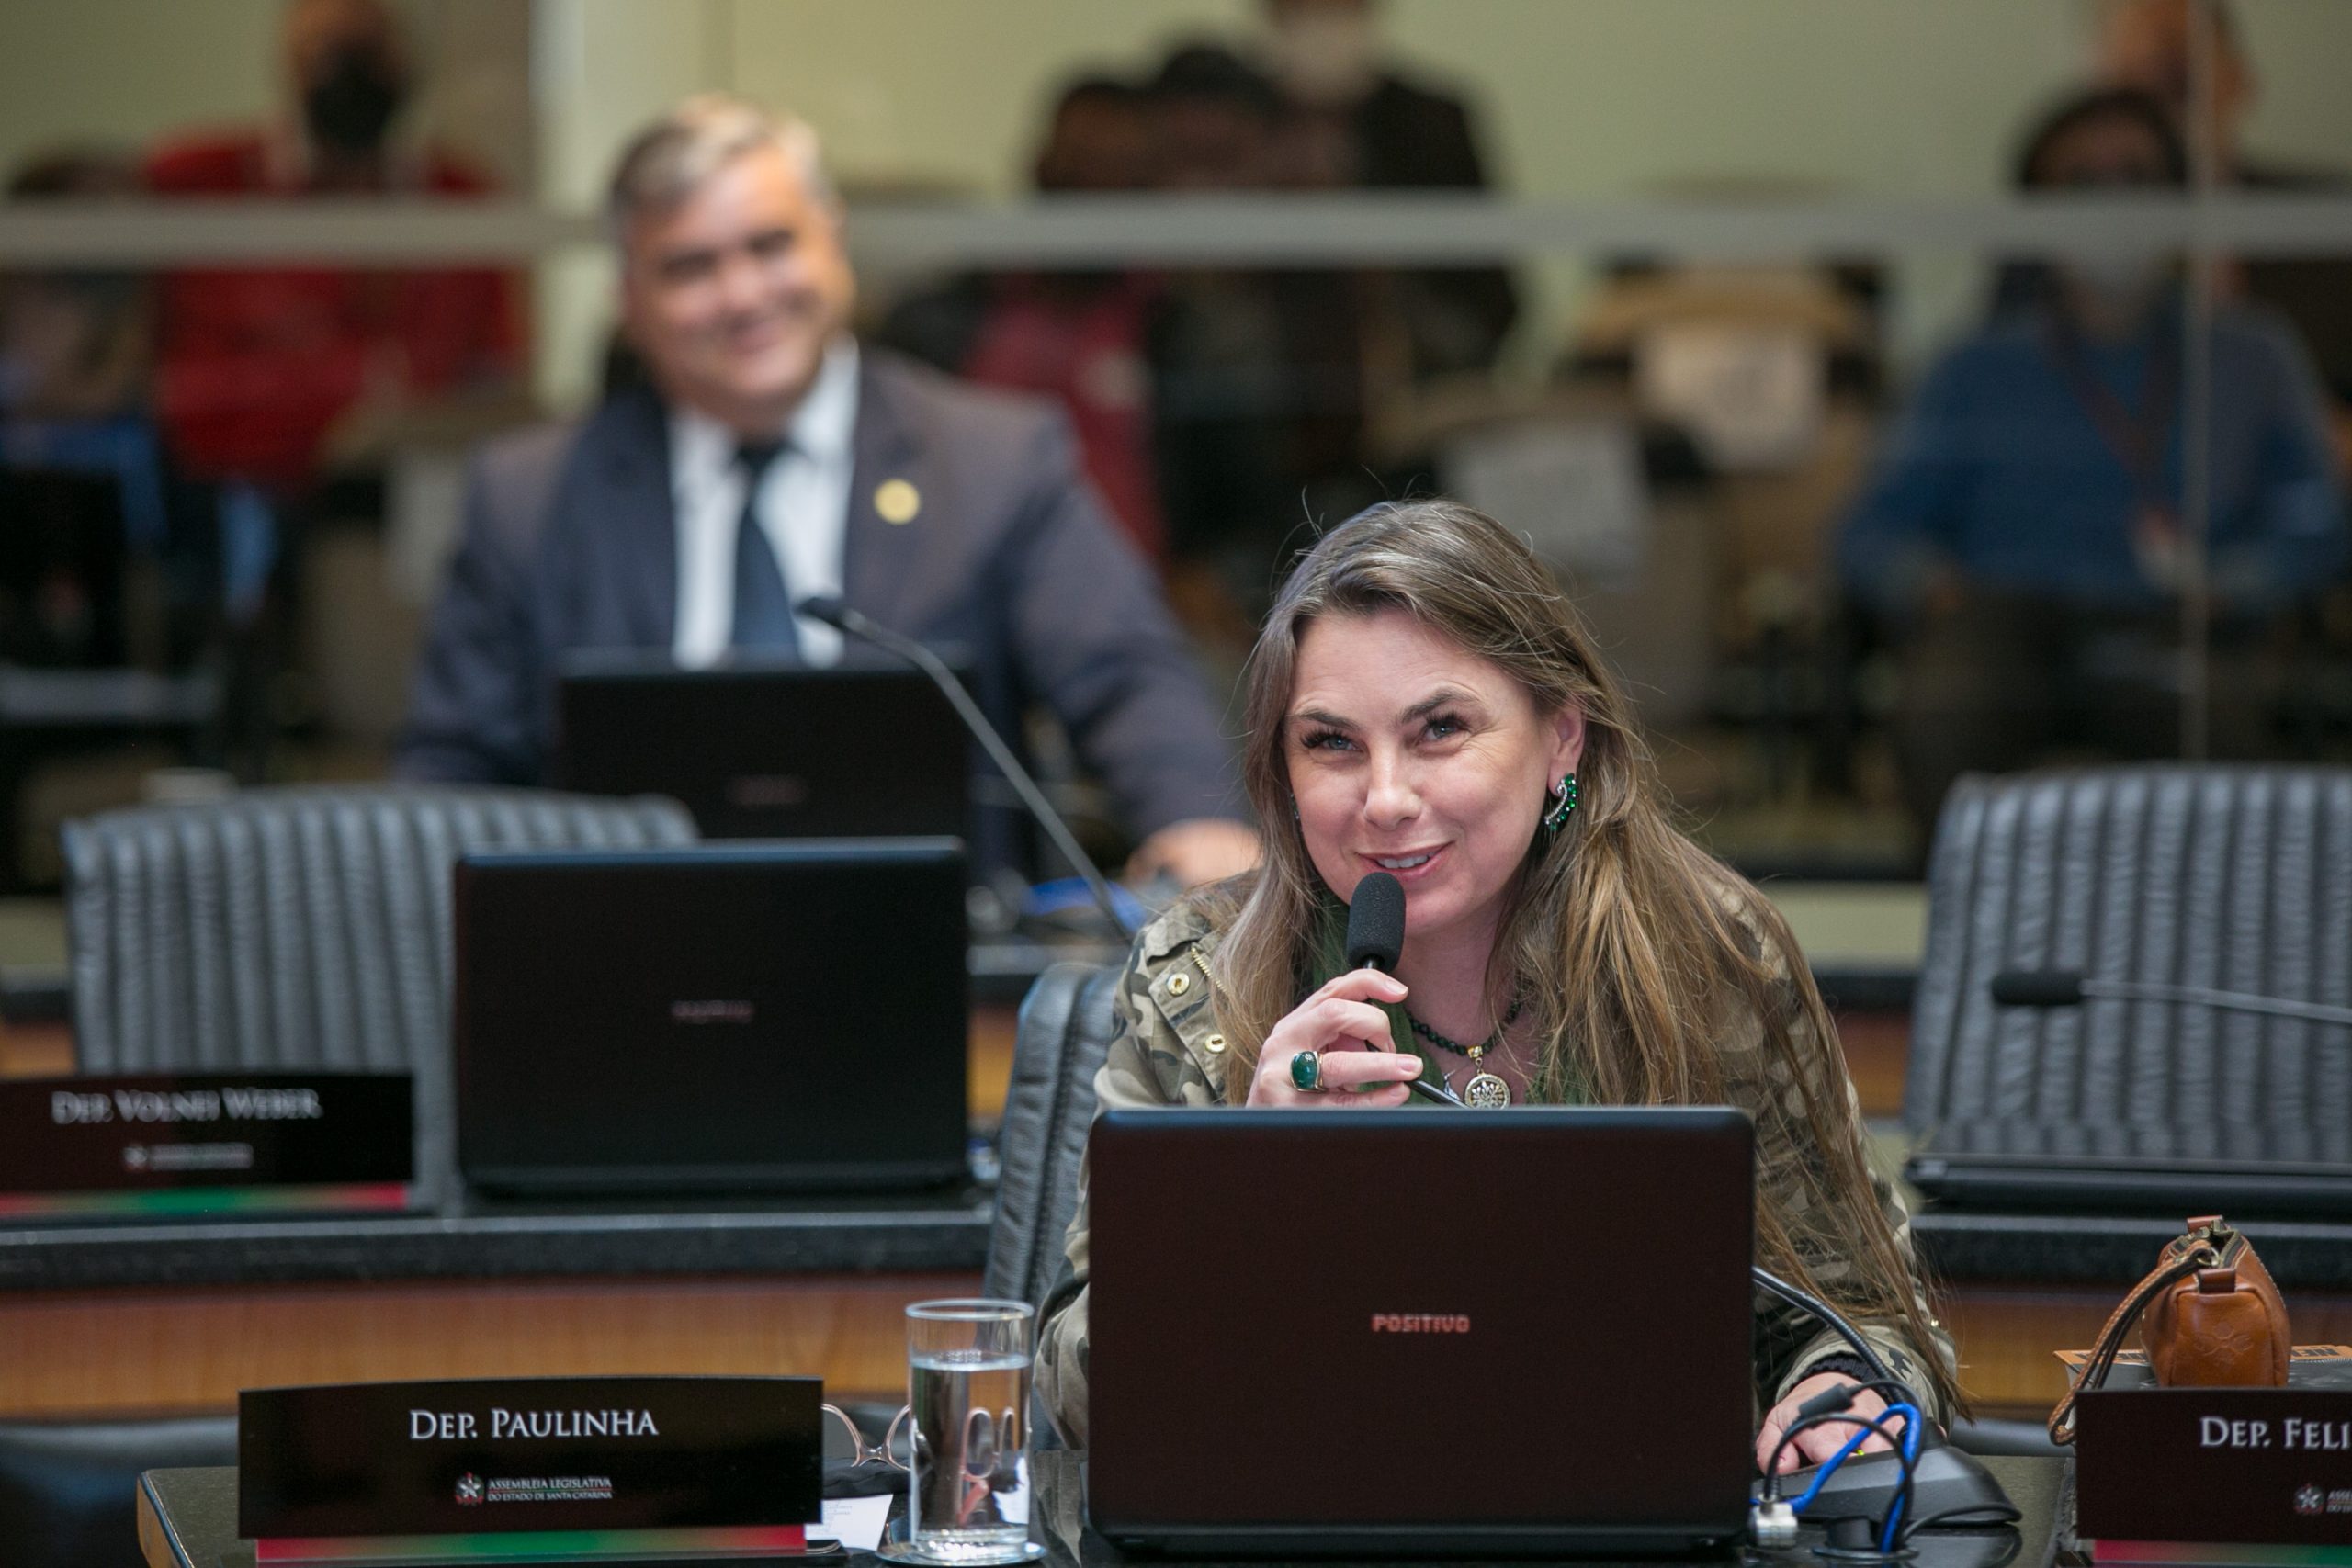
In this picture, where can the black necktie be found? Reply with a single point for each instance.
(762, 603)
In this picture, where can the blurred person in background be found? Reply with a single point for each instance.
(74, 345)
(2021, 535)
(83, 490)
(1083, 338)
(770, 457)
(263, 370)
(1354, 122)
(1263, 374)
(2150, 45)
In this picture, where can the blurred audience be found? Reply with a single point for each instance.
(771, 458)
(1081, 337)
(74, 345)
(1352, 121)
(112, 556)
(2150, 45)
(262, 370)
(2021, 534)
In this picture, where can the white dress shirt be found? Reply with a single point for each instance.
(803, 505)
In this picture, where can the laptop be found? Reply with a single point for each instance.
(731, 1018)
(2235, 1168)
(1413, 1332)
(767, 751)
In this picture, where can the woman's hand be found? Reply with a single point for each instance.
(1817, 1443)
(1341, 1025)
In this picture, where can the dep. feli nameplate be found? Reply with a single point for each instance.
(190, 1142)
(2258, 1465)
(426, 1463)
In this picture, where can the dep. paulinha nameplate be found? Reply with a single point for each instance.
(199, 1142)
(699, 1463)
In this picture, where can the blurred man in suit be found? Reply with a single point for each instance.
(771, 458)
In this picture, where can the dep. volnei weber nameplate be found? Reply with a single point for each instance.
(677, 1463)
(190, 1142)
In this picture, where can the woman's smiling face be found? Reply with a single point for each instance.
(1410, 754)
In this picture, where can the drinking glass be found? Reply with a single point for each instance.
(967, 1384)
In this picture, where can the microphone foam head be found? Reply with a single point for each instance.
(1376, 922)
(2038, 987)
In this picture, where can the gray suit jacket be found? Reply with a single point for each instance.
(569, 544)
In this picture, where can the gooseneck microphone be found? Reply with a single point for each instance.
(1377, 940)
(830, 609)
(2070, 987)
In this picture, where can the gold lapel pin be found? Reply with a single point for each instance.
(895, 501)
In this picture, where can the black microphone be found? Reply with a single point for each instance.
(1377, 940)
(830, 609)
(2038, 987)
(2068, 987)
(1377, 923)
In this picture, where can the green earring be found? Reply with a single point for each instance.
(1563, 802)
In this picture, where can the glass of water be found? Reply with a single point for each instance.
(968, 1382)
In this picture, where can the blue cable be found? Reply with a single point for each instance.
(1910, 1463)
(1861, 1434)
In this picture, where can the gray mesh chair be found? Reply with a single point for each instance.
(1066, 1028)
(2235, 877)
(292, 928)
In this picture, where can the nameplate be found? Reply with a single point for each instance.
(201, 1142)
(2263, 1465)
(516, 1469)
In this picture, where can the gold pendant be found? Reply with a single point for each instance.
(1487, 1092)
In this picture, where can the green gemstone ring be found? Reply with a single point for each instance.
(1307, 1071)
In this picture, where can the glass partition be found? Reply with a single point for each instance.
(1903, 390)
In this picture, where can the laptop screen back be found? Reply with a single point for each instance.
(1445, 1325)
(768, 752)
(730, 1017)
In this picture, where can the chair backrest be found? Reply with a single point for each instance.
(69, 1490)
(2238, 878)
(292, 928)
(1066, 1029)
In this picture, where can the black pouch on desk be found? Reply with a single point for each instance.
(871, 1479)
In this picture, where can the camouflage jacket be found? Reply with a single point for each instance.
(1169, 1051)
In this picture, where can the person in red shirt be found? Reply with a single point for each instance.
(257, 365)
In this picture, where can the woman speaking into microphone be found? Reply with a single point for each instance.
(1423, 701)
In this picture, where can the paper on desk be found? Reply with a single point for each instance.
(855, 1522)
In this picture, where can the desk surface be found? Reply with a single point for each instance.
(187, 1518)
(944, 1232)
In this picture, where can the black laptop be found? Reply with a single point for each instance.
(1414, 1332)
(733, 1018)
(767, 751)
(2239, 1169)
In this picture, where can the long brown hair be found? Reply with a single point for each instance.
(1630, 947)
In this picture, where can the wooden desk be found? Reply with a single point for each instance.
(187, 1518)
(166, 1345)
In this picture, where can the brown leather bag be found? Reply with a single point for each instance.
(2213, 1319)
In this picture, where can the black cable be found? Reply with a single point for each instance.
(1875, 1386)
(1902, 1394)
(1771, 1472)
(1788, 1434)
(1822, 1312)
